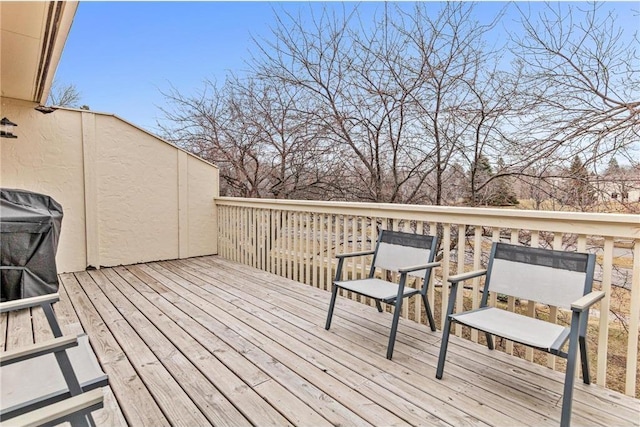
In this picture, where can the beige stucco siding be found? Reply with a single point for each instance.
(47, 158)
(202, 221)
(127, 195)
(137, 195)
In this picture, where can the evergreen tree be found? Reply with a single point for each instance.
(502, 193)
(579, 191)
(488, 189)
(480, 173)
(613, 166)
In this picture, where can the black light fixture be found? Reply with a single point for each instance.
(6, 128)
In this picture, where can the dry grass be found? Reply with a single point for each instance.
(601, 207)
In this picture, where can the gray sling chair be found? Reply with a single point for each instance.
(406, 253)
(50, 382)
(558, 278)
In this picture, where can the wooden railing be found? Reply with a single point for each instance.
(299, 240)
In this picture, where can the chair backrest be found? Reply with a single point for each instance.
(397, 249)
(546, 276)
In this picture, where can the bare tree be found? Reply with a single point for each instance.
(64, 95)
(325, 60)
(395, 108)
(582, 82)
(264, 146)
(451, 55)
(388, 95)
(209, 125)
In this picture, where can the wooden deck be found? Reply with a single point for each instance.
(207, 341)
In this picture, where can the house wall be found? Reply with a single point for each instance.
(127, 195)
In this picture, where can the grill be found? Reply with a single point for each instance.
(29, 233)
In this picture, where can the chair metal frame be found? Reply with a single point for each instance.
(77, 406)
(575, 335)
(426, 242)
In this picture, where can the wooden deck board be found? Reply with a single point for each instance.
(348, 372)
(256, 349)
(135, 400)
(374, 368)
(243, 364)
(515, 370)
(208, 341)
(111, 414)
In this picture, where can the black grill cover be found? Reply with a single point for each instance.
(30, 228)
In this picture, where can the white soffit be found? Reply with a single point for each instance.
(32, 36)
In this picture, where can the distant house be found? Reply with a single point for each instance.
(623, 186)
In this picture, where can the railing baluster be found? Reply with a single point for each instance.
(295, 245)
(477, 252)
(495, 237)
(373, 233)
(431, 294)
(307, 248)
(334, 242)
(231, 231)
(334, 236)
(460, 269)
(531, 305)
(321, 257)
(405, 306)
(580, 247)
(244, 237)
(446, 256)
(221, 232)
(314, 250)
(634, 318)
(256, 238)
(511, 301)
(279, 242)
(363, 244)
(607, 270)
(247, 236)
(272, 242)
(417, 303)
(234, 239)
(266, 226)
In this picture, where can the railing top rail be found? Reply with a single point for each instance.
(625, 226)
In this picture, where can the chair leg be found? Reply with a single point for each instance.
(569, 377)
(443, 348)
(334, 294)
(82, 420)
(53, 321)
(432, 323)
(586, 376)
(379, 306)
(68, 373)
(489, 340)
(394, 327)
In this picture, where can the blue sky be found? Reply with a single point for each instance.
(121, 55)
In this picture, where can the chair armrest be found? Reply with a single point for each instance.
(59, 410)
(34, 350)
(352, 254)
(466, 276)
(418, 267)
(587, 301)
(28, 302)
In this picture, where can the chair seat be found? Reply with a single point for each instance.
(374, 288)
(515, 327)
(33, 382)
